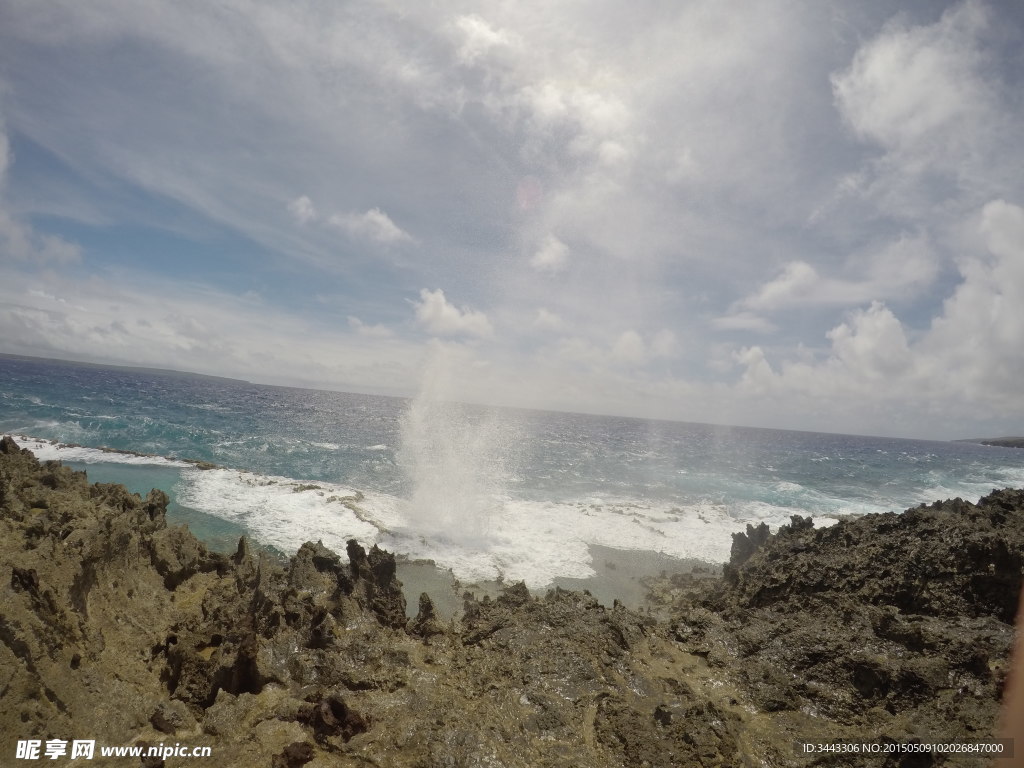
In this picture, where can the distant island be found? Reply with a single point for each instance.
(1000, 442)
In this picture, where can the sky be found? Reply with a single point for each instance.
(792, 214)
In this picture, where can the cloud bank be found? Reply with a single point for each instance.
(787, 214)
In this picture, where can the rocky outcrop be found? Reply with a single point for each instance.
(949, 559)
(116, 627)
(894, 626)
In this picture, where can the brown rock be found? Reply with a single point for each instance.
(116, 626)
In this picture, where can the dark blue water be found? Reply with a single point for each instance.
(529, 485)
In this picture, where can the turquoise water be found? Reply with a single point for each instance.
(486, 492)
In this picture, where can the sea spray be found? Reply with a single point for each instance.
(454, 456)
(549, 486)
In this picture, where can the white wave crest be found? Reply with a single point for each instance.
(50, 450)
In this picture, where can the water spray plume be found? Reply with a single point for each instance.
(453, 457)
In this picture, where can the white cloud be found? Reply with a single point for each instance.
(868, 349)
(664, 344)
(743, 321)
(871, 344)
(910, 84)
(977, 341)
(374, 224)
(1002, 225)
(795, 285)
(479, 37)
(19, 241)
(967, 365)
(377, 331)
(935, 99)
(626, 350)
(5, 155)
(758, 376)
(577, 351)
(629, 349)
(441, 318)
(552, 256)
(898, 269)
(15, 239)
(546, 102)
(172, 324)
(302, 209)
(56, 250)
(683, 167)
(604, 121)
(548, 321)
(687, 150)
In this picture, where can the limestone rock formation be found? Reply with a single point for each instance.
(118, 628)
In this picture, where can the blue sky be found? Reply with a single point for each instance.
(791, 214)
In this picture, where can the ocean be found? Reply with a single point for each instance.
(489, 494)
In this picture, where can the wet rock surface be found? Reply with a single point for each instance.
(118, 628)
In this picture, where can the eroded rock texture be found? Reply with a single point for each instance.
(116, 627)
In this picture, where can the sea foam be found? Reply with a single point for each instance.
(282, 511)
(50, 450)
(533, 541)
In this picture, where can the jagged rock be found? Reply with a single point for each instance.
(426, 623)
(116, 626)
(171, 717)
(294, 755)
(948, 559)
(376, 586)
(243, 552)
(324, 631)
(318, 569)
(8, 446)
(177, 554)
(744, 545)
(333, 718)
(901, 621)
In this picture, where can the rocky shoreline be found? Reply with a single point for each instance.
(117, 628)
